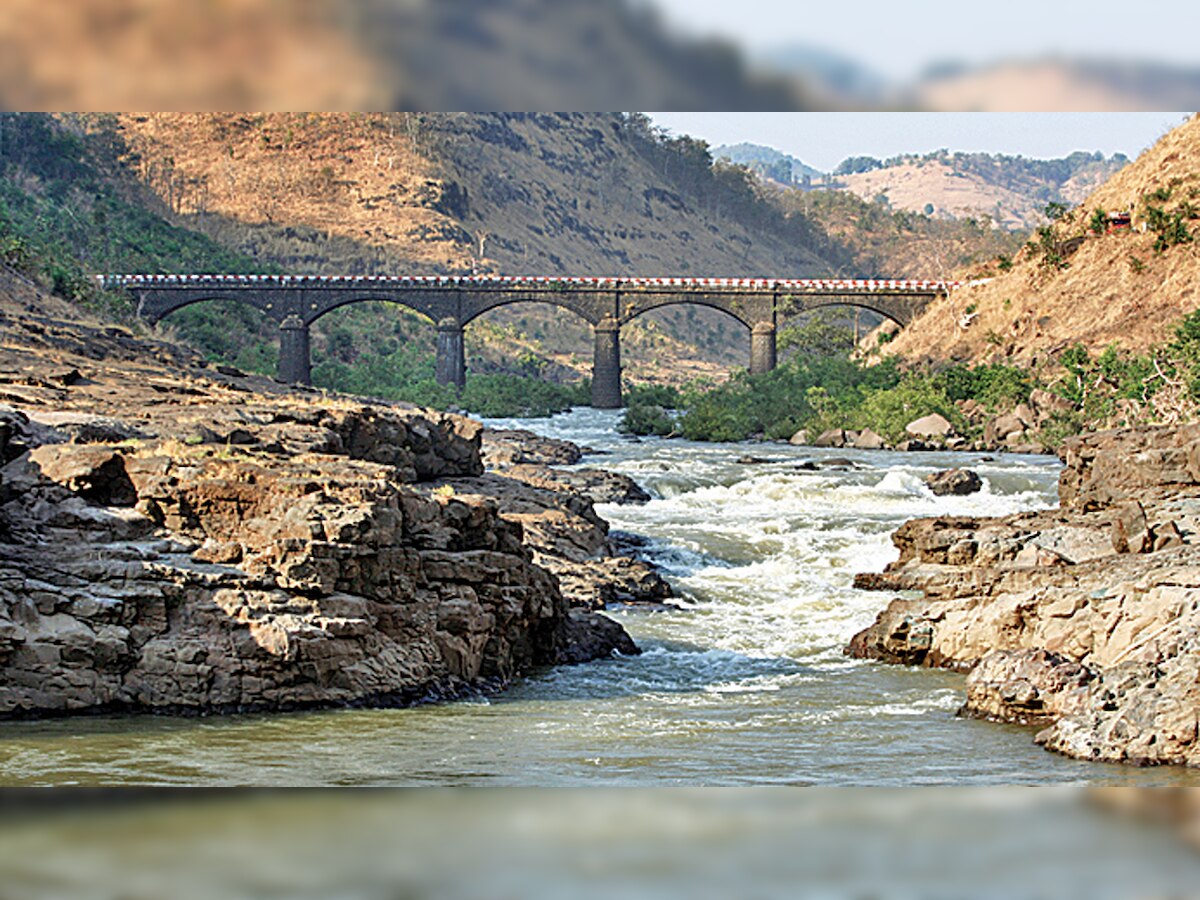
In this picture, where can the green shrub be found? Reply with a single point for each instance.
(646, 418)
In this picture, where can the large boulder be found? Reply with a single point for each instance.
(998, 430)
(834, 437)
(933, 426)
(1046, 404)
(598, 485)
(511, 447)
(869, 440)
(94, 472)
(956, 482)
(800, 438)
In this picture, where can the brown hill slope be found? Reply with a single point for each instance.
(368, 54)
(517, 193)
(958, 191)
(1115, 287)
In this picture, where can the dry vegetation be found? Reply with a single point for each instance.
(1114, 288)
(914, 185)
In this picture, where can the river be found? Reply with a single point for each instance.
(744, 684)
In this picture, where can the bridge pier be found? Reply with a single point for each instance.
(295, 364)
(606, 365)
(451, 354)
(762, 348)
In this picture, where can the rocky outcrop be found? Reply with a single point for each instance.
(555, 507)
(597, 485)
(954, 482)
(510, 447)
(1084, 618)
(179, 539)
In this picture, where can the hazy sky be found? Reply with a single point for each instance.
(900, 39)
(825, 139)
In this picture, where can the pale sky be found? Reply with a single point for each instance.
(825, 139)
(900, 39)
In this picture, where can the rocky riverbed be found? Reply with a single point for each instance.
(1082, 619)
(177, 537)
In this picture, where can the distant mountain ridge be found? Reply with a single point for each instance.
(768, 162)
(1010, 191)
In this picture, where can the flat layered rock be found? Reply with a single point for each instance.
(1083, 618)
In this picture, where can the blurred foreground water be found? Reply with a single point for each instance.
(989, 842)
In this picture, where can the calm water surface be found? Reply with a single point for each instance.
(745, 684)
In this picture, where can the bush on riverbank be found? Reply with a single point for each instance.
(1113, 389)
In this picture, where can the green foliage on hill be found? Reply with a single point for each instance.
(63, 218)
(1020, 172)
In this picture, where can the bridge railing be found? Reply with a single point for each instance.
(536, 282)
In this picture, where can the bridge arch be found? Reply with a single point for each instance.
(156, 308)
(592, 309)
(720, 304)
(899, 312)
(316, 311)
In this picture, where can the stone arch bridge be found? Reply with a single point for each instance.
(295, 302)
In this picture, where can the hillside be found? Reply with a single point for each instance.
(1010, 191)
(1129, 287)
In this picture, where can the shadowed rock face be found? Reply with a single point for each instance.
(1084, 618)
(252, 547)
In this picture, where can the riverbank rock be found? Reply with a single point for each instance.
(569, 539)
(869, 440)
(930, 427)
(955, 482)
(510, 447)
(554, 507)
(254, 546)
(835, 437)
(1082, 618)
(597, 485)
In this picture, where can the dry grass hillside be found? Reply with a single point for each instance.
(367, 54)
(1115, 288)
(954, 192)
(101, 54)
(514, 193)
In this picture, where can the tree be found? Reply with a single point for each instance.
(857, 164)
